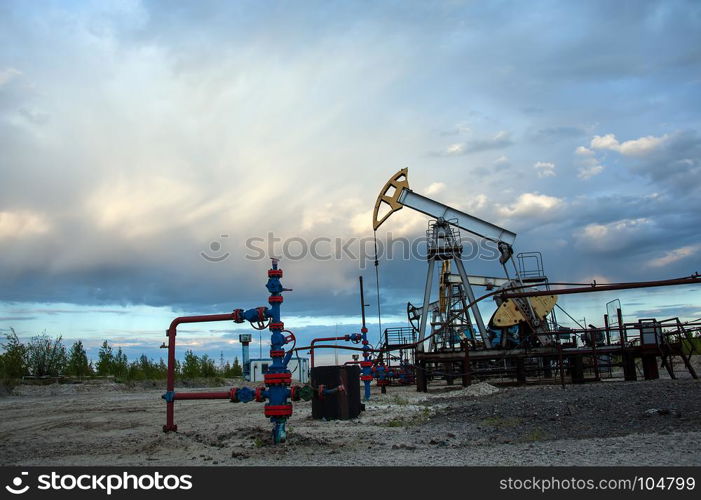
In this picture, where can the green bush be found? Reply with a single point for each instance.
(46, 356)
(13, 362)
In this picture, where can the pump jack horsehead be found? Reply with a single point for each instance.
(514, 322)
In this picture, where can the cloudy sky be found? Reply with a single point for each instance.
(148, 150)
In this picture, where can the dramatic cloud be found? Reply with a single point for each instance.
(156, 154)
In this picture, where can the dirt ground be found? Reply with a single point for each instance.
(617, 423)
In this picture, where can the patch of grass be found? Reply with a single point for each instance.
(396, 422)
(258, 442)
(417, 419)
(501, 422)
(535, 435)
(398, 400)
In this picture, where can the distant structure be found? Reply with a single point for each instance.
(257, 368)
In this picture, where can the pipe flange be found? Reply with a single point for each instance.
(260, 397)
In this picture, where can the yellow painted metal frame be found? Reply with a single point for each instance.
(400, 182)
(509, 314)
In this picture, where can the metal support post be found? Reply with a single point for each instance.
(427, 301)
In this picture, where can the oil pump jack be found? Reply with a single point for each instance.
(516, 322)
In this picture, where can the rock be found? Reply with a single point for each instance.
(661, 411)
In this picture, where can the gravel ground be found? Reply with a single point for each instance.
(609, 423)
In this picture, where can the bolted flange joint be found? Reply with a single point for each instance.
(278, 378)
(260, 397)
(277, 410)
(238, 316)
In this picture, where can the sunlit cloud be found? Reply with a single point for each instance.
(633, 147)
(674, 255)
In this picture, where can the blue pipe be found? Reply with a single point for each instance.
(277, 393)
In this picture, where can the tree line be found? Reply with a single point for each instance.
(44, 356)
